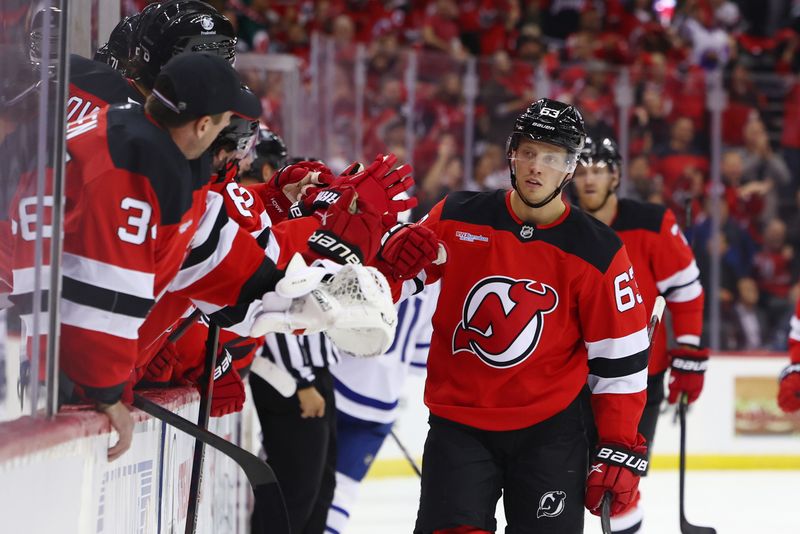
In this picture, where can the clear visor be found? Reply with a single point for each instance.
(558, 160)
(246, 146)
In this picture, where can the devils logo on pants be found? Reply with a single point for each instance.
(502, 319)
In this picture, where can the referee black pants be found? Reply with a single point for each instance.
(302, 452)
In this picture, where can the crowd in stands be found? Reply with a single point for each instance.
(578, 50)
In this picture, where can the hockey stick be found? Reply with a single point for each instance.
(686, 527)
(683, 405)
(407, 454)
(269, 513)
(212, 342)
(652, 326)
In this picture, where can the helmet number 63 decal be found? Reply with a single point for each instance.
(550, 112)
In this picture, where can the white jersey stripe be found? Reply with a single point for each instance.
(89, 318)
(686, 293)
(108, 276)
(189, 275)
(633, 383)
(681, 278)
(688, 339)
(621, 347)
(273, 249)
(794, 328)
(214, 204)
(23, 279)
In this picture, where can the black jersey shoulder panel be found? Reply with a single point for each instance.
(100, 80)
(579, 234)
(583, 236)
(139, 146)
(635, 215)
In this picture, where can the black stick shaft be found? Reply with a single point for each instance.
(212, 342)
(405, 452)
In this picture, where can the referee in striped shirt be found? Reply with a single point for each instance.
(299, 432)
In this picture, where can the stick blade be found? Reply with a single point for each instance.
(269, 511)
(688, 528)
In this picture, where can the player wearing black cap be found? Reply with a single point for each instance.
(135, 208)
(549, 306)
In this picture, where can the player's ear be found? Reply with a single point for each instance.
(202, 125)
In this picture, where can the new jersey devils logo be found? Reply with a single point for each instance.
(551, 504)
(502, 319)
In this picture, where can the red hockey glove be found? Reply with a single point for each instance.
(350, 231)
(686, 372)
(617, 470)
(377, 185)
(229, 394)
(407, 249)
(161, 368)
(288, 181)
(789, 392)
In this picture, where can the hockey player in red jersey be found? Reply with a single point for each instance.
(134, 208)
(537, 300)
(664, 265)
(789, 392)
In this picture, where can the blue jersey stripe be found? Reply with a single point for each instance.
(362, 399)
(340, 510)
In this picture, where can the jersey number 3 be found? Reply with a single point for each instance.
(626, 292)
(135, 231)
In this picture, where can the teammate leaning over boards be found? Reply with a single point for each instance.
(536, 301)
(789, 393)
(664, 265)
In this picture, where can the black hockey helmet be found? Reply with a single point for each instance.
(178, 26)
(40, 17)
(602, 152)
(270, 150)
(552, 122)
(118, 51)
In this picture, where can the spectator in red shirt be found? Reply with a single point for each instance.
(679, 157)
(440, 31)
(744, 101)
(745, 201)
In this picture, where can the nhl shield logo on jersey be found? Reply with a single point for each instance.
(551, 504)
(502, 319)
(526, 232)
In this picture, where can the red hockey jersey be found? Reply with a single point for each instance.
(794, 335)
(528, 315)
(664, 265)
(279, 242)
(139, 222)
